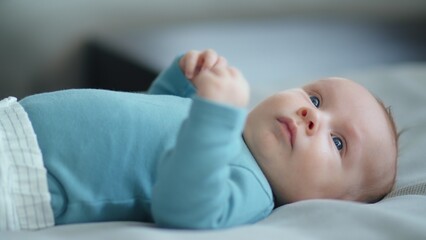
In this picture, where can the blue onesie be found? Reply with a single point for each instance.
(168, 157)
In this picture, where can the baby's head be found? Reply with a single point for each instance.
(329, 139)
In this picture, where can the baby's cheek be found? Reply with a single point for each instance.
(316, 163)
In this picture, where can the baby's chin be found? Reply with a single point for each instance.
(305, 194)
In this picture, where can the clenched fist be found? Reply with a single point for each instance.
(214, 79)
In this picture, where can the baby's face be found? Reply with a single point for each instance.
(329, 139)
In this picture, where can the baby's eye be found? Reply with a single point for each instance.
(315, 100)
(338, 142)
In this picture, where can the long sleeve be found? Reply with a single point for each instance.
(196, 186)
(172, 81)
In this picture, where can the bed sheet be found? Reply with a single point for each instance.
(401, 215)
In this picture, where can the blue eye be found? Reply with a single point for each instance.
(338, 142)
(315, 101)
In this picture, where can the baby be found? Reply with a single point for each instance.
(187, 154)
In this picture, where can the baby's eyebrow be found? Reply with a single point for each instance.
(313, 86)
(305, 94)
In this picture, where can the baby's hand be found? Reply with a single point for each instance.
(223, 84)
(193, 62)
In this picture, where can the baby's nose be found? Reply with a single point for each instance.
(310, 118)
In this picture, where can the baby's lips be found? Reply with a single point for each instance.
(290, 126)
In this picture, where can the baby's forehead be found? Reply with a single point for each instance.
(345, 89)
(338, 82)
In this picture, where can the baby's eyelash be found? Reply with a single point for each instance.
(315, 98)
(342, 141)
(338, 142)
(315, 101)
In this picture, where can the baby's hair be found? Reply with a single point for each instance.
(383, 191)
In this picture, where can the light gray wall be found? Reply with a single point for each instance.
(40, 39)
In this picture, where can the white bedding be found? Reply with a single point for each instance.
(400, 216)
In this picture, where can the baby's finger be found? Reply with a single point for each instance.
(190, 63)
(235, 72)
(221, 62)
(210, 58)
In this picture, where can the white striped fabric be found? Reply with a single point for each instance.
(24, 195)
(418, 188)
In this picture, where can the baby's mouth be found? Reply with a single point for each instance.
(289, 128)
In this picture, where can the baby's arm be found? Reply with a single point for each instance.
(194, 188)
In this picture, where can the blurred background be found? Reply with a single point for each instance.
(48, 45)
